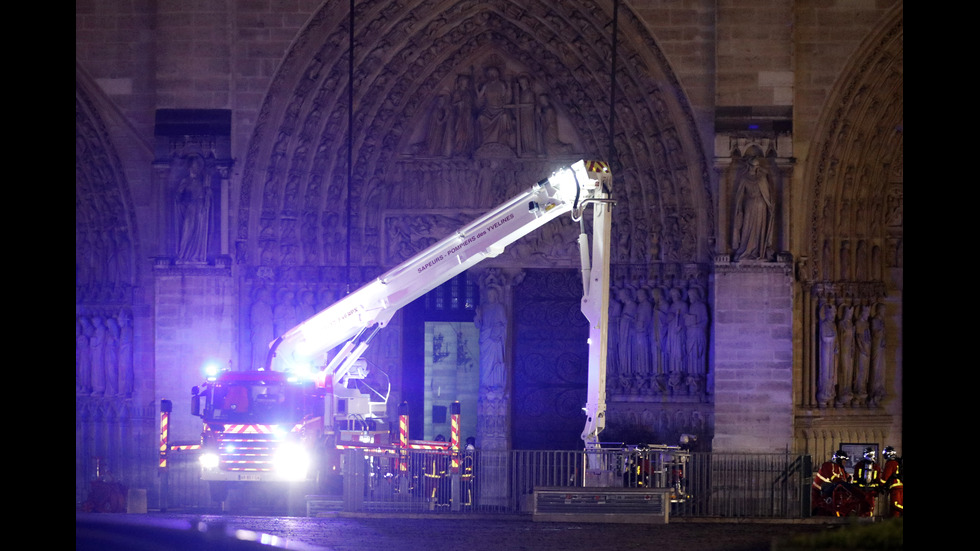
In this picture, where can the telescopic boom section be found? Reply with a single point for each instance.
(595, 307)
(353, 319)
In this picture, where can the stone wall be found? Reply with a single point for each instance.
(753, 336)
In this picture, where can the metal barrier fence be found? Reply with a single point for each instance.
(181, 486)
(748, 485)
(700, 484)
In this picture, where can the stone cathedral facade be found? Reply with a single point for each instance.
(239, 167)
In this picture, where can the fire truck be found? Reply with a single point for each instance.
(288, 421)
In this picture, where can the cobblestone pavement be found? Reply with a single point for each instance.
(360, 533)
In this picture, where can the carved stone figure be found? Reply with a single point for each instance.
(97, 342)
(640, 349)
(111, 356)
(754, 211)
(306, 308)
(193, 210)
(126, 374)
(624, 331)
(551, 142)
(828, 355)
(696, 334)
(262, 327)
(83, 356)
(676, 339)
(615, 311)
(439, 116)
(845, 363)
(284, 314)
(658, 336)
(877, 368)
(495, 122)
(491, 320)
(463, 116)
(862, 360)
(527, 129)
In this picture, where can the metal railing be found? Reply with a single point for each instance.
(748, 485)
(700, 484)
(181, 486)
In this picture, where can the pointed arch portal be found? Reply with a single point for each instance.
(446, 109)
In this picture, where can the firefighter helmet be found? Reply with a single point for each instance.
(869, 454)
(840, 455)
(889, 453)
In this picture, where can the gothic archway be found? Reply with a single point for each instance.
(852, 279)
(356, 164)
(296, 179)
(108, 416)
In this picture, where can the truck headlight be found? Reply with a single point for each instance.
(292, 461)
(209, 460)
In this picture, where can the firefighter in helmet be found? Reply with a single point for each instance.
(468, 476)
(435, 473)
(830, 475)
(867, 477)
(891, 479)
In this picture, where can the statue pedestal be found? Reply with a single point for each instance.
(753, 343)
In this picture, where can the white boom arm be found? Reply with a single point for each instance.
(595, 306)
(355, 318)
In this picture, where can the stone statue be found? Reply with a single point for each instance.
(284, 313)
(83, 355)
(438, 119)
(845, 362)
(640, 349)
(193, 213)
(877, 367)
(491, 321)
(262, 327)
(463, 116)
(676, 339)
(754, 212)
(696, 334)
(828, 355)
(525, 97)
(494, 121)
(126, 374)
(306, 308)
(658, 336)
(111, 356)
(551, 142)
(97, 343)
(615, 311)
(862, 360)
(624, 332)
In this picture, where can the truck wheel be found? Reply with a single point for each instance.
(328, 483)
(237, 497)
(218, 490)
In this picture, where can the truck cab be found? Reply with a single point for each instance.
(258, 426)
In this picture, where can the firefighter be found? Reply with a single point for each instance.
(435, 473)
(637, 467)
(867, 477)
(468, 476)
(891, 480)
(831, 474)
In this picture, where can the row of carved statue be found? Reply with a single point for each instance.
(104, 354)
(851, 339)
(658, 339)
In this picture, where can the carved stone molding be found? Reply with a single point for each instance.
(297, 191)
(855, 165)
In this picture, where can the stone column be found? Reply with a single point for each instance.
(493, 415)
